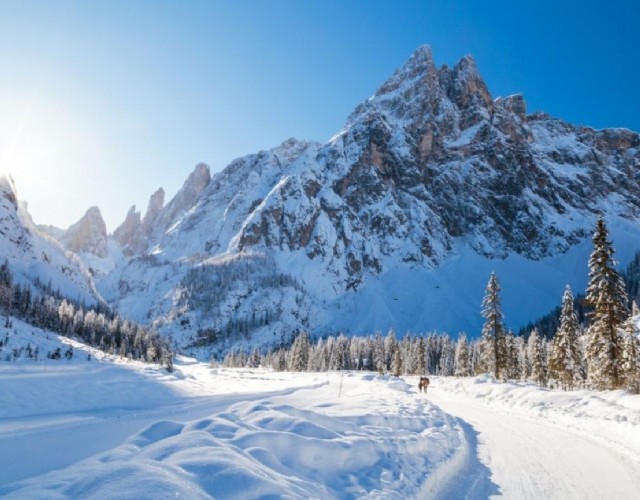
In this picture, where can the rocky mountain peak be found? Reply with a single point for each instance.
(8, 189)
(88, 235)
(470, 93)
(185, 198)
(197, 181)
(125, 231)
(156, 203)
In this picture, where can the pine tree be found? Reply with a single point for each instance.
(537, 355)
(396, 363)
(512, 365)
(462, 367)
(421, 366)
(379, 358)
(492, 342)
(631, 355)
(607, 297)
(299, 360)
(565, 357)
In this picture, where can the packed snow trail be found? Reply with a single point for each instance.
(532, 458)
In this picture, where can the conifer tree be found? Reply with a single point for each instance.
(492, 342)
(631, 355)
(396, 363)
(462, 367)
(565, 356)
(607, 297)
(537, 355)
(379, 358)
(512, 365)
(421, 365)
(299, 360)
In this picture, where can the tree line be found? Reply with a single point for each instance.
(601, 353)
(97, 327)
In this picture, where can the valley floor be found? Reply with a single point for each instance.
(103, 428)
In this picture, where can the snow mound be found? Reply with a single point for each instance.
(352, 436)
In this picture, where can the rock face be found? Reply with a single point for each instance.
(429, 168)
(88, 235)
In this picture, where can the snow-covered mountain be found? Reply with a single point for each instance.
(397, 221)
(34, 257)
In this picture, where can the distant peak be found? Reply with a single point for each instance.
(93, 212)
(197, 181)
(202, 169)
(424, 52)
(89, 234)
(467, 60)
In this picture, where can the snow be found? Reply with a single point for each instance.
(542, 443)
(112, 428)
(120, 429)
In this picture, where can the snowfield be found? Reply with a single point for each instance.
(107, 428)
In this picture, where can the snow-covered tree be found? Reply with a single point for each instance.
(512, 360)
(379, 358)
(537, 355)
(462, 365)
(607, 297)
(492, 341)
(421, 367)
(565, 356)
(631, 355)
(299, 357)
(396, 363)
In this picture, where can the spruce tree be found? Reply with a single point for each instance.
(396, 363)
(299, 360)
(607, 297)
(421, 365)
(537, 355)
(492, 342)
(565, 357)
(631, 356)
(512, 364)
(462, 366)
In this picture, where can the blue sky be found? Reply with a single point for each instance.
(102, 102)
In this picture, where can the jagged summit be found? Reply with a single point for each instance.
(125, 231)
(88, 235)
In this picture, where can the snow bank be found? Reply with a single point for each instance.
(610, 416)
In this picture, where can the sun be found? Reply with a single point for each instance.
(42, 147)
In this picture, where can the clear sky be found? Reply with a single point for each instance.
(102, 102)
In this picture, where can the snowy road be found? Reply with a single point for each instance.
(531, 458)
